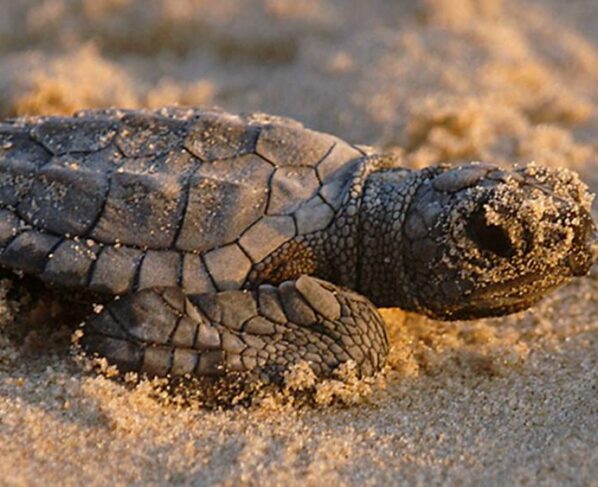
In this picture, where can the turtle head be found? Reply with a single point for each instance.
(482, 241)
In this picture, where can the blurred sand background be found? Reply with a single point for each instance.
(511, 401)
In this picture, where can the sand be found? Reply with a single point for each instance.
(510, 401)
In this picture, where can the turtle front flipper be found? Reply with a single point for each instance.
(165, 332)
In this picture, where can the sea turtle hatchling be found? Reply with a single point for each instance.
(249, 243)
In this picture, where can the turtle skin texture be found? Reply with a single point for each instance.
(245, 244)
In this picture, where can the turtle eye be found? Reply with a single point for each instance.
(489, 238)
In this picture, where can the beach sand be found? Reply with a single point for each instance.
(511, 401)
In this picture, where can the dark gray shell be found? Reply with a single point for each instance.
(120, 200)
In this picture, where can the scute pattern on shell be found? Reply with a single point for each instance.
(169, 197)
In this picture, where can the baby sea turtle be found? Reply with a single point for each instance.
(249, 243)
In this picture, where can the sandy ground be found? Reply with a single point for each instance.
(510, 401)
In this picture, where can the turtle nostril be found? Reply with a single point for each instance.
(491, 238)
(586, 236)
(579, 264)
(584, 252)
(587, 230)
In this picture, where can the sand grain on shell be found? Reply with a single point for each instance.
(491, 402)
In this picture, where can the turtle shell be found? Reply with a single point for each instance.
(118, 200)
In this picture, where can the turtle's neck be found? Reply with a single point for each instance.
(381, 276)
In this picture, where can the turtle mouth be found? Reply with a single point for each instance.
(477, 311)
(512, 288)
(517, 296)
(509, 296)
